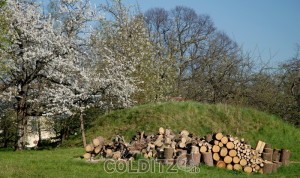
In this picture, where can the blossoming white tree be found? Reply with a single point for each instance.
(89, 87)
(36, 51)
(49, 66)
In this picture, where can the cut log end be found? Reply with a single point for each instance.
(248, 169)
(218, 136)
(89, 148)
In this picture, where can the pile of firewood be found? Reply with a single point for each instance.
(118, 149)
(186, 149)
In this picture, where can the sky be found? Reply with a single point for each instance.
(268, 29)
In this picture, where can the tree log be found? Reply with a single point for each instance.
(229, 167)
(109, 153)
(195, 150)
(224, 140)
(161, 131)
(216, 142)
(268, 150)
(87, 155)
(208, 137)
(158, 142)
(181, 144)
(89, 148)
(218, 136)
(216, 156)
(98, 141)
(181, 152)
(182, 160)
(184, 139)
(168, 141)
(248, 169)
(243, 162)
(227, 159)
(116, 155)
(268, 168)
(237, 167)
(215, 148)
(236, 160)
(194, 159)
(168, 153)
(276, 155)
(203, 149)
(257, 167)
(260, 146)
(230, 145)
(207, 158)
(267, 145)
(232, 153)
(97, 149)
(184, 133)
(168, 133)
(236, 142)
(285, 156)
(275, 167)
(221, 164)
(223, 151)
(267, 156)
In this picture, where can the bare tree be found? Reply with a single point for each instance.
(208, 62)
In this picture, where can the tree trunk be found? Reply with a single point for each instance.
(6, 138)
(39, 132)
(21, 119)
(82, 129)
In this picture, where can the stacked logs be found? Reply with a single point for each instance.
(186, 149)
(235, 154)
(117, 149)
(273, 158)
(94, 148)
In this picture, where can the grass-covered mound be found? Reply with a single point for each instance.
(199, 119)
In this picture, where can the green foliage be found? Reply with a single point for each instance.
(200, 119)
(4, 39)
(3, 24)
(7, 127)
(2, 3)
(126, 37)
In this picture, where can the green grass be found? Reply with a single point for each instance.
(199, 119)
(65, 162)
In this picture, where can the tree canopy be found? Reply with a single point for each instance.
(63, 61)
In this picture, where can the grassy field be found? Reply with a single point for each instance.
(199, 119)
(65, 162)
